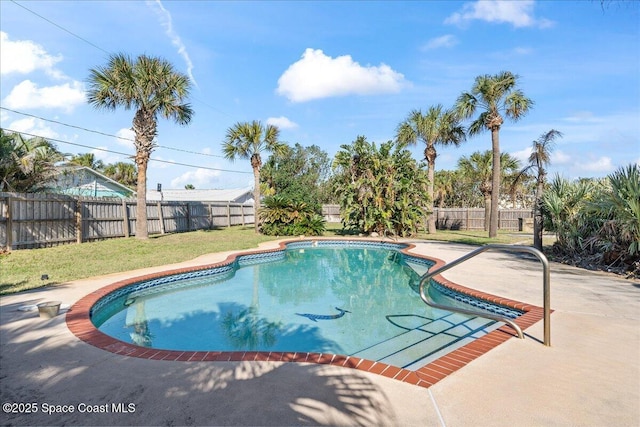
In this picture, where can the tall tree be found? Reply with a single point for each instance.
(538, 160)
(300, 174)
(123, 172)
(444, 185)
(437, 126)
(88, 160)
(246, 141)
(26, 164)
(478, 170)
(152, 87)
(494, 95)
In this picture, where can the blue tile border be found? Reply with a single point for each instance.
(207, 275)
(501, 310)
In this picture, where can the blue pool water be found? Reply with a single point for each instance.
(348, 299)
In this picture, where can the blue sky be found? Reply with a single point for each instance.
(326, 72)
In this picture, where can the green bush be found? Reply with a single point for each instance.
(381, 189)
(597, 219)
(281, 216)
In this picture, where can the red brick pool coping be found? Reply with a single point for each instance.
(79, 323)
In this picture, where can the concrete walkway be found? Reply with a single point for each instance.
(590, 376)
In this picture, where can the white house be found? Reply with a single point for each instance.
(86, 182)
(244, 196)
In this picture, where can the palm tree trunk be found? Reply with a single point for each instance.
(487, 211)
(256, 197)
(537, 217)
(495, 183)
(141, 204)
(431, 221)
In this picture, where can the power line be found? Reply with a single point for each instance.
(106, 134)
(101, 49)
(62, 28)
(125, 154)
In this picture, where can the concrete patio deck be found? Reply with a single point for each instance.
(590, 376)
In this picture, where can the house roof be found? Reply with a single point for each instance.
(112, 183)
(178, 195)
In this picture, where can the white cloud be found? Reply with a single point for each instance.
(125, 137)
(583, 117)
(317, 76)
(511, 54)
(28, 95)
(522, 50)
(167, 22)
(24, 57)
(517, 13)
(522, 155)
(559, 157)
(445, 41)
(602, 164)
(582, 164)
(33, 126)
(158, 162)
(200, 178)
(100, 154)
(281, 122)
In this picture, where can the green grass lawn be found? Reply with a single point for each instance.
(22, 270)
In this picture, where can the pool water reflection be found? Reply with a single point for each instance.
(358, 300)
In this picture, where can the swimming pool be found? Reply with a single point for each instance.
(350, 298)
(287, 304)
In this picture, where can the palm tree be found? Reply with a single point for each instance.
(123, 172)
(477, 168)
(437, 126)
(88, 160)
(152, 87)
(539, 159)
(495, 95)
(563, 204)
(444, 185)
(247, 141)
(26, 165)
(8, 165)
(614, 213)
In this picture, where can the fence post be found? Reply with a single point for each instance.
(466, 222)
(79, 230)
(125, 218)
(9, 223)
(242, 212)
(228, 214)
(161, 218)
(210, 216)
(188, 217)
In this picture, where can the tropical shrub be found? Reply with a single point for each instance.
(26, 164)
(617, 213)
(563, 207)
(381, 190)
(597, 222)
(298, 173)
(281, 216)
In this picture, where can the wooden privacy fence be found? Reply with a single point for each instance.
(37, 220)
(473, 219)
(460, 218)
(44, 220)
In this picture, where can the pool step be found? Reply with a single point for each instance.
(428, 341)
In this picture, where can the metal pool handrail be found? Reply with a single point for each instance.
(426, 280)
